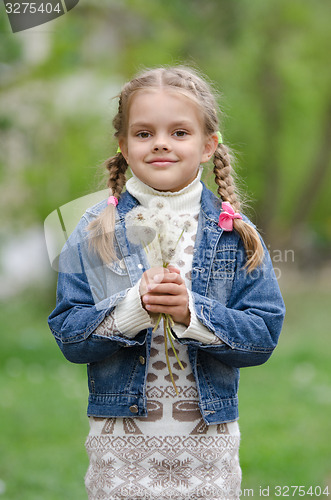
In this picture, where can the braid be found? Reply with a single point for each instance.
(101, 229)
(228, 192)
(223, 176)
(116, 165)
(101, 237)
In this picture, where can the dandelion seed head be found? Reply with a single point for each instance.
(148, 232)
(168, 216)
(137, 215)
(140, 235)
(170, 243)
(160, 225)
(134, 234)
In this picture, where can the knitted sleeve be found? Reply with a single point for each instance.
(127, 319)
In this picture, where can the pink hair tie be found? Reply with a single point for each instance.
(112, 200)
(227, 216)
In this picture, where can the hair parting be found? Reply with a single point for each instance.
(190, 84)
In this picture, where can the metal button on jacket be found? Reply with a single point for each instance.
(134, 409)
(142, 360)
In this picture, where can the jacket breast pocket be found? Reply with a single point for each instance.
(222, 274)
(224, 264)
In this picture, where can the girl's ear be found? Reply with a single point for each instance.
(124, 148)
(210, 147)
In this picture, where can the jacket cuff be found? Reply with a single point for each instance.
(196, 330)
(130, 316)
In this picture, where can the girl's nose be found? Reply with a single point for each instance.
(160, 144)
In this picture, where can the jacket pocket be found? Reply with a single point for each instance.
(224, 264)
(222, 274)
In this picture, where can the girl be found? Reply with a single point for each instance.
(163, 419)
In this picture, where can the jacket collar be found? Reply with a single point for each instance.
(127, 202)
(210, 206)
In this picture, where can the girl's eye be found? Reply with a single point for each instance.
(180, 133)
(143, 135)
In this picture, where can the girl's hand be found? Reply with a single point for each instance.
(163, 291)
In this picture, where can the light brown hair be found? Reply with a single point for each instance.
(189, 83)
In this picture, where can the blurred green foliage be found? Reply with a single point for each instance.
(269, 60)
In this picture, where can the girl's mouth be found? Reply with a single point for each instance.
(161, 162)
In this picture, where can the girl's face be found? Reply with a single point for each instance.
(165, 142)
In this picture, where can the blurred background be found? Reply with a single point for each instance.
(270, 61)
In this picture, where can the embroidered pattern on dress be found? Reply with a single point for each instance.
(168, 467)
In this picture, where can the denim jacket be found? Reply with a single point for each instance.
(245, 310)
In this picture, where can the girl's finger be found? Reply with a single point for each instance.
(168, 278)
(173, 269)
(162, 300)
(166, 288)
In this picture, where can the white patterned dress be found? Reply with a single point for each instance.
(172, 453)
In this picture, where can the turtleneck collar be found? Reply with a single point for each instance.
(183, 201)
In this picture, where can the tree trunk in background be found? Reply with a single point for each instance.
(270, 91)
(315, 181)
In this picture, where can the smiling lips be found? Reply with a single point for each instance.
(161, 162)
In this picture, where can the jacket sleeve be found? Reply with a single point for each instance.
(250, 323)
(83, 301)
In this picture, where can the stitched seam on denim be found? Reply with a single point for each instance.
(91, 379)
(229, 401)
(234, 271)
(116, 395)
(206, 378)
(250, 347)
(134, 370)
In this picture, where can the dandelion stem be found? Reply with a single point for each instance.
(173, 347)
(165, 324)
(171, 320)
(157, 323)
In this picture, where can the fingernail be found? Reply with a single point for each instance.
(158, 278)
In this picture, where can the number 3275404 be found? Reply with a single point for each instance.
(33, 8)
(301, 491)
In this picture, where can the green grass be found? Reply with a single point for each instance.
(42, 408)
(284, 405)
